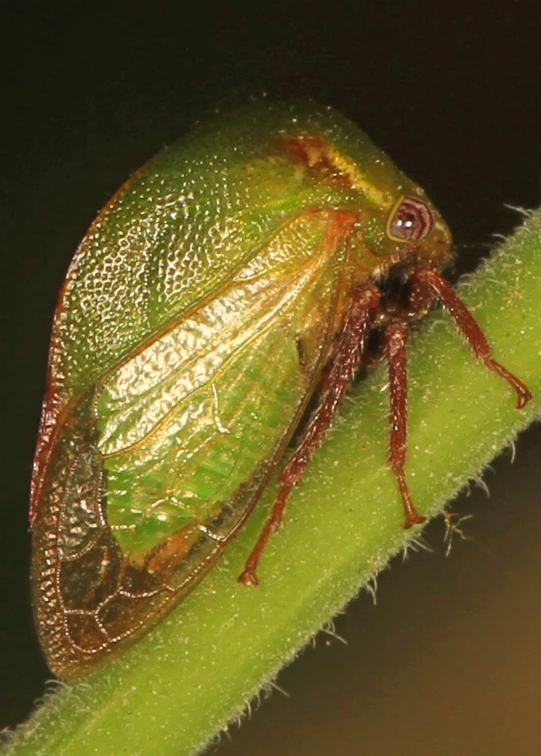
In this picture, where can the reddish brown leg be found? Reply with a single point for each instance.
(471, 330)
(349, 354)
(396, 334)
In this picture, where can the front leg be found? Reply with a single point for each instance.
(470, 328)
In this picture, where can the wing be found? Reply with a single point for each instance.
(156, 466)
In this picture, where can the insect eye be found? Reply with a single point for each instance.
(411, 220)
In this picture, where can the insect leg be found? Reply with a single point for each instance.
(349, 353)
(395, 337)
(471, 330)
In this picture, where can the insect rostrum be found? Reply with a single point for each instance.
(234, 277)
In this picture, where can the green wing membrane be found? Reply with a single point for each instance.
(159, 463)
(193, 413)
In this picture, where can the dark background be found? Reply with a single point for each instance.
(449, 662)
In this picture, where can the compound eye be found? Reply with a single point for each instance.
(411, 220)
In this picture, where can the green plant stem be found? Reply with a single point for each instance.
(182, 684)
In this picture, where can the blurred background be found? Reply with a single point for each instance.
(449, 662)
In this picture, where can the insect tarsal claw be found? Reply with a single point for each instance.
(248, 578)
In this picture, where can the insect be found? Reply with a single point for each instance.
(234, 279)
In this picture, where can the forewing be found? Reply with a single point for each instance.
(158, 464)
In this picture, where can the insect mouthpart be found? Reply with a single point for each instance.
(399, 299)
